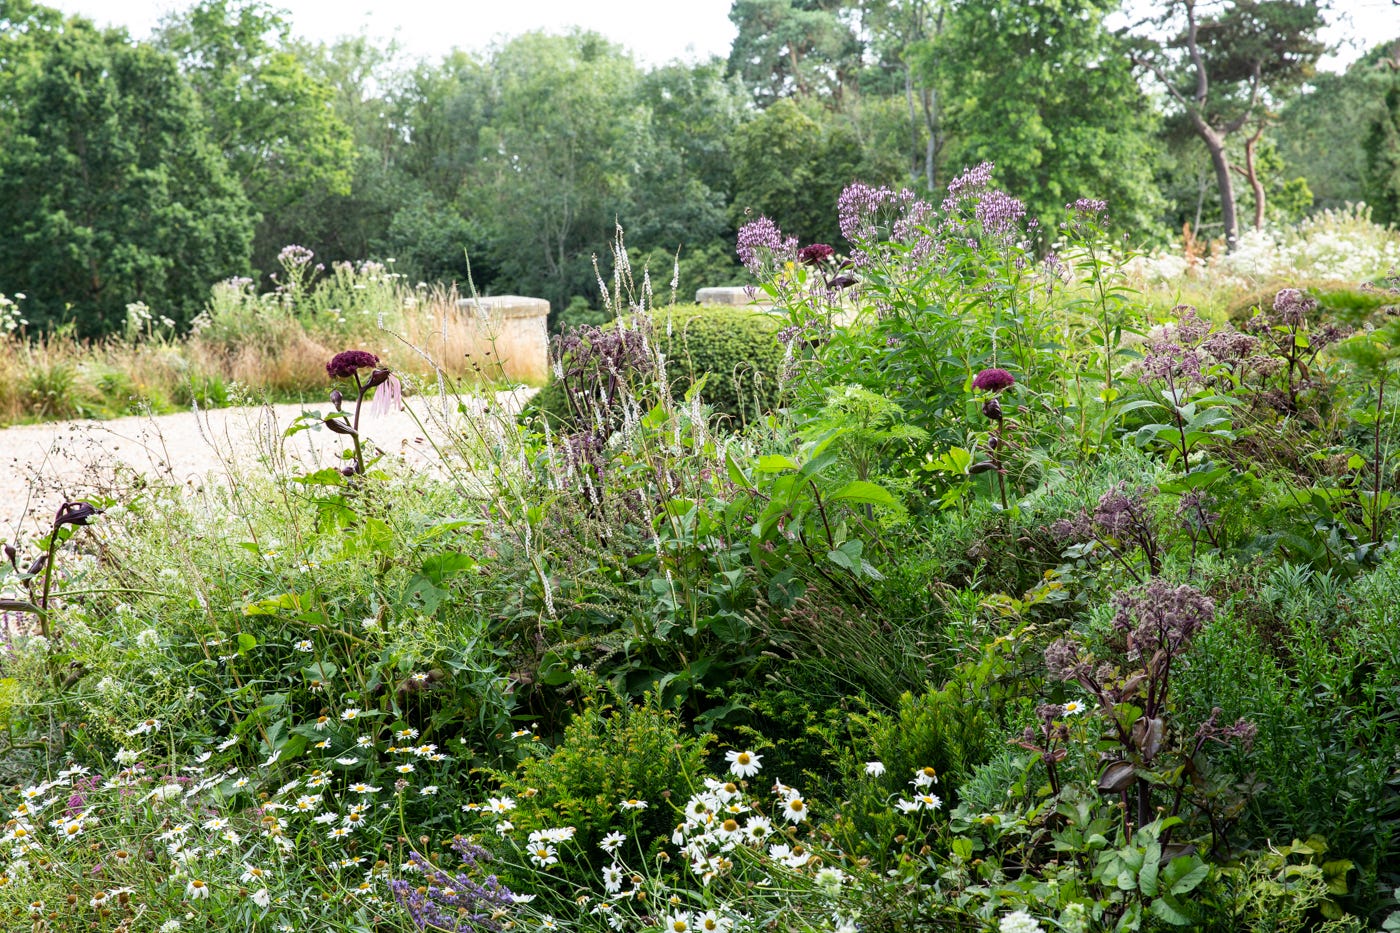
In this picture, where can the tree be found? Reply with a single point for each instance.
(791, 168)
(565, 146)
(110, 191)
(1047, 93)
(272, 121)
(801, 48)
(901, 38)
(1382, 142)
(1227, 68)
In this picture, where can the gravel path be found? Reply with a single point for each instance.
(42, 465)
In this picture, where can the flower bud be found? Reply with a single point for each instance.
(992, 409)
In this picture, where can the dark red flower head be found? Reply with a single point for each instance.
(345, 364)
(993, 380)
(817, 252)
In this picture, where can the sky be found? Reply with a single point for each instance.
(656, 31)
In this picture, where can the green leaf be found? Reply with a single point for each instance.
(246, 642)
(776, 463)
(865, 493)
(1170, 910)
(1184, 873)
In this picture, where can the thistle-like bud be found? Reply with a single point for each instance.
(337, 397)
(338, 426)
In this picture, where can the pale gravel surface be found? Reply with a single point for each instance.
(42, 465)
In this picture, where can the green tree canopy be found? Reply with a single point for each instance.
(110, 191)
(1047, 93)
(272, 120)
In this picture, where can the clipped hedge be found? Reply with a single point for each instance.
(737, 347)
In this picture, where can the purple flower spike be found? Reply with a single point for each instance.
(344, 364)
(993, 380)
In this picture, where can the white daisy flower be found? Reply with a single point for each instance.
(874, 768)
(612, 842)
(795, 809)
(743, 764)
(196, 890)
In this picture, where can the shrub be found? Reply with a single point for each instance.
(609, 755)
(735, 349)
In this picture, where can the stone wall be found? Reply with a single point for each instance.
(515, 331)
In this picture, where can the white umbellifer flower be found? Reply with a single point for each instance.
(612, 842)
(1074, 708)
(795, 809)
(196, 889)
(1019, 922)
(874, 768)
(743, 764)
(147, 638)
(262, 898)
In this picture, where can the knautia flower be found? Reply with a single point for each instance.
(347, 363)
(993, 380)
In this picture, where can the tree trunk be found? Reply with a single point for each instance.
(1251, 172)
(1221, 161)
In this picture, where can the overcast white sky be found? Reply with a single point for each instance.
(655, 30)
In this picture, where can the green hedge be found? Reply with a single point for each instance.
(737, 347)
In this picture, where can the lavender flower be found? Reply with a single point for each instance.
(993, 380)
(457, 903)
(759, 240)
